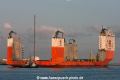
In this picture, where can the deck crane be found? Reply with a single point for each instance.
(10, 34)
(72, 40)
(57, 32)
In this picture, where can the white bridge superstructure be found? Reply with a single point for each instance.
(106, 43)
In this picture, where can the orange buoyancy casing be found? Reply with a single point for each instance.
(57, 49)
(9, 53)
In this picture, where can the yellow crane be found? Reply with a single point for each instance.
(91, 57)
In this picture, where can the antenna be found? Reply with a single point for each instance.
(22, 52)
(34, 37)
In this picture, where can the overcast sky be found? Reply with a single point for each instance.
(78, 19)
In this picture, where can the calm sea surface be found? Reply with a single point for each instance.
(10, 73)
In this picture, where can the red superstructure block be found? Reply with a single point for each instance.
(9, 53)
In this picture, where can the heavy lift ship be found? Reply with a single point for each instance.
(64, 55)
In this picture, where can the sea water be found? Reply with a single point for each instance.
(13, 73)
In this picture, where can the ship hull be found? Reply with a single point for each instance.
(66, 64)
(52, 64)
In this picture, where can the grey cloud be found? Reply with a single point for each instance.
(7, 26)
(45, 32)
(94, 29)
(117, 33)
(73, 34)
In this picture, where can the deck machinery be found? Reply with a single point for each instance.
(64, 55)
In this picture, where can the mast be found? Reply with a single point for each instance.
(34, 37)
